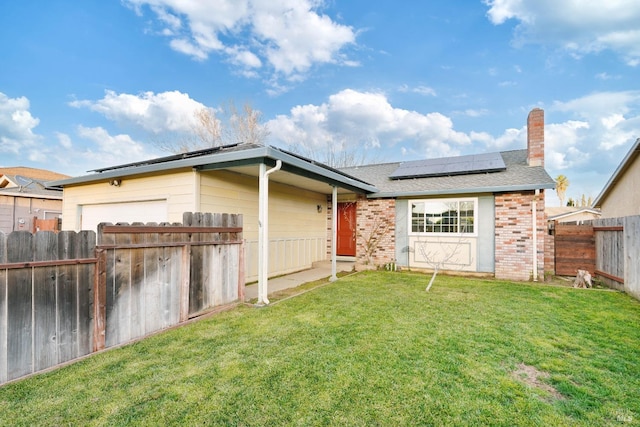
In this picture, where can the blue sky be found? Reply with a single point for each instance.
(97, 83)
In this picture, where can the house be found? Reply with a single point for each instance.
(479, 213)
(25, 202)
(282, 197)
(482, 212)
(571, 214)
(620, 196)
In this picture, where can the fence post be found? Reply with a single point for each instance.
(185, 282)
(99, 301)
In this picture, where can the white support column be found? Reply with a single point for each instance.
(263, 231)
(334, 233)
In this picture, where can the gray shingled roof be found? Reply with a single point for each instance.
(517, 177)
(30, 187)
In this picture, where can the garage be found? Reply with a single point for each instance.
(142, 211)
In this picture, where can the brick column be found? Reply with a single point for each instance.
(376, 231)
(514, 236)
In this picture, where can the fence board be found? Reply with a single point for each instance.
(67, 297)
(3, 310)
(196, 286)
(85, 278)
(121, 303)
(19, 312)
(151, 285)
(137, 283)
(45, 330)
(632, 256)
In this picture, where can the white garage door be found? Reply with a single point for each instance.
(147, 211)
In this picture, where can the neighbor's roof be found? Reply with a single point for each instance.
(559, 212)
(22, 186)
(619, 172)
(518, 176)
(230, 156)
(39, 174)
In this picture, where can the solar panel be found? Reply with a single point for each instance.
(445, 166)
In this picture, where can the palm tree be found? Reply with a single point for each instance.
(562, 183)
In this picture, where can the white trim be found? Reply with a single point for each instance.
(410, 231)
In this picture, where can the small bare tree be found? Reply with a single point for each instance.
(336, 155)
(375, 235)
(214, 128)
(438, 258)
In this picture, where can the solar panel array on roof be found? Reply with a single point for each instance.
(445, 166)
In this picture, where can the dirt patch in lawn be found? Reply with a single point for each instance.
(531, 376)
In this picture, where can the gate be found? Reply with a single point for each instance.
(575, 248)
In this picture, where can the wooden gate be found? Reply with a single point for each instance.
(575, 248)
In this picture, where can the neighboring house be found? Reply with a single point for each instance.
(571, 214)
(620, 196)
(469, 213)
(25, 202)
(482, 211)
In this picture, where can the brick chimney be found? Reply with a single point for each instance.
(535, 137)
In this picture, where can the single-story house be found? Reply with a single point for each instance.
(26, 203)
(282, 197)
(481, 210)
(478, 213)
(620, 196)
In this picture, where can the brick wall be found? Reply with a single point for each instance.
(514, 237)
(376, 232)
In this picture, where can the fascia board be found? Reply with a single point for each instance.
(450, 191)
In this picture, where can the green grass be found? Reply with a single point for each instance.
(371, 349)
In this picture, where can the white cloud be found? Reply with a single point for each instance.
(351, 119)
(289, 35)
(109, 150)
(420, 90)
(578, 27)
(64, 140)
(16, 124)
(156, 113)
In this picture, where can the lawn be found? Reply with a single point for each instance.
(371, 349)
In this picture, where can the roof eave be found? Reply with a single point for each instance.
(620, 170)
(452, 191)
(251, 156)
(32, 195)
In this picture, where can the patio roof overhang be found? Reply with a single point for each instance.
(296, 170)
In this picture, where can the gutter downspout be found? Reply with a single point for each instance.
(263, 231)
(534, 222)
(334, 233)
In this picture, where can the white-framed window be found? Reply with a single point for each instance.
(444, 216)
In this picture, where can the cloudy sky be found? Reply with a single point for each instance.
(98, 83)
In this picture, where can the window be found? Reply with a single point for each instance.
(443, 216)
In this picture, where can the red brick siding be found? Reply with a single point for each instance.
(514, 237)
(376, 231)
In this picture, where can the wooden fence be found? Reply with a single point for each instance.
(46, 299)
(65, 295)
(574, 248)
(618, 252)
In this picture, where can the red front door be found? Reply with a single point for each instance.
(346, 244)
